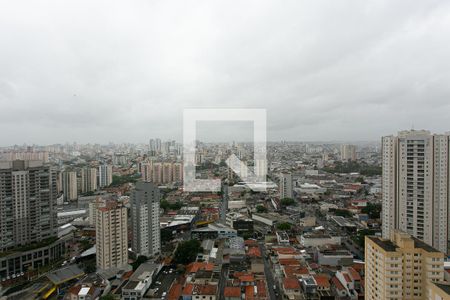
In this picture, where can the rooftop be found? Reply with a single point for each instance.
(291, 283)
(386, 245)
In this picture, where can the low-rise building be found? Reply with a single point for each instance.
(140, 281)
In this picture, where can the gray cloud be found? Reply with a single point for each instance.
(99, 71)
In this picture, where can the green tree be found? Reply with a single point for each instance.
(287, 202)
(166, 235)
(186, 252)
(261, 209)
(284, 226)
(343, 213)
(139, 261)
(90, 267)
(373, 210)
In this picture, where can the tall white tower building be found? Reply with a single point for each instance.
(145, 200)
(111, 235)
(88, 179)
(286, 185)
(27, 203)
(70, 185)
(415, 185)
(104, 175)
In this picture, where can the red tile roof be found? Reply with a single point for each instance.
(347, 277)
(290, 271)
(231, 291)
(289, 261)
(261, 287)
(175, 292)
(247, 278)
(207, 289)
(251, 243)
(195, 266)
(337, 283)
(254, 251)
(188, 289)
(285, 250)
(322, 281)
(291, 283)
(355, 275)
(249, 292)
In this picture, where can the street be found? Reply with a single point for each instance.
(269, 275)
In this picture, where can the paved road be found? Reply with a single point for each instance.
(268, 272)
(222, 281)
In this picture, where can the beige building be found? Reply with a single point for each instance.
(162, 173)
(348, 152)
(402, 267)
(70, 185)
(111, 235)
(177, 172)
(415, 185)
(88, 180)
(167, 176)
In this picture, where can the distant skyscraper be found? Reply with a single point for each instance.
(88, 179)
(104, 175)
(415, 186)
(70, 185)
(401, 268)
(177, 172)
(111, 235)
(158, 145)
(167, 176)
(348, 152)
(145, 200)
(165, 148)
(27, 203)
(286, 186)
(146, 171)
(157, 170)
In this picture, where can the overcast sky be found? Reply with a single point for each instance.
(123, 71)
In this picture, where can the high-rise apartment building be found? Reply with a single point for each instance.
(161, 173)
(286, 185)
(111, 235)
(348, 152)
(157, 170)
(177, 172)
(104, 175)
(88, 179)
(167, 176)
(145, 199)
(146, 171)
(415, 185)
(401, 268)
(93, 206)
(70, 185)
(27, 203)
